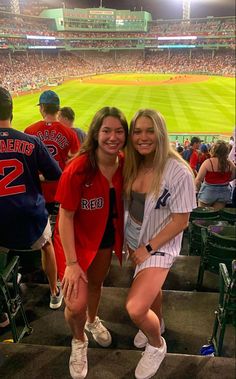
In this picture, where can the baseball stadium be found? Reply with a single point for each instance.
(96, 54)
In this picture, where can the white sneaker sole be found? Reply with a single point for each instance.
(102, 344)
(56, 306)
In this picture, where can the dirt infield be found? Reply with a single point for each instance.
(175, 79)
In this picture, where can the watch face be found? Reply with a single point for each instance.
(149, 247)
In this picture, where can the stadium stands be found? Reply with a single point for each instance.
(201, 46)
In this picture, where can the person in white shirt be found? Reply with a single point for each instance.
(160, 194)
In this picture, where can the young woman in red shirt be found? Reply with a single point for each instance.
(90, 227)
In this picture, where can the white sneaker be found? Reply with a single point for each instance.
(140, 340)
(150, 361)
(99, 332)
(78, 364)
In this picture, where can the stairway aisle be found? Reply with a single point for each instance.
(188, 317)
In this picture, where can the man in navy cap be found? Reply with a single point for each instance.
(60, 141)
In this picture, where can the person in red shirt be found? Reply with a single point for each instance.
(213, 179)
(61, 141)
(90, 227)
(194, 158)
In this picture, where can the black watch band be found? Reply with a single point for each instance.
(149, 248)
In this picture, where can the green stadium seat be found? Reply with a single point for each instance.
(218, 246)
(228, 214)
(10, 299)
(226, 309)
(195, 241)
(204, 213)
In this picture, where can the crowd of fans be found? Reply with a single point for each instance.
(130, 42)
(26, 71)
(46, 27)
(24, 68)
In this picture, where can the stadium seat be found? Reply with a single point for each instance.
(10, 298)
(228, 214)
(218, 246)
(204, 213)
(195, 244)
(226, 309)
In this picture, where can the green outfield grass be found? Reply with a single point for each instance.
(201, 107)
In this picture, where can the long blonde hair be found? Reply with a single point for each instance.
(162, 153)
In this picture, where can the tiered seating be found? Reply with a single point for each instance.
(10, 299)
(218, 246)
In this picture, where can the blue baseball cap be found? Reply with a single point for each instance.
(49, 97)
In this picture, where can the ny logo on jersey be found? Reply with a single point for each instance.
(92, 203)
(162, 199)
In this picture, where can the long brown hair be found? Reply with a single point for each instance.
(220, 150)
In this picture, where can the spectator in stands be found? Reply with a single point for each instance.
(91, 227)
(59, 139)
(180, 150)
(67, 117)
(213, 178)
(204, 154)
(194, 154)
(24, 221)
(186, 143)
(160, 195)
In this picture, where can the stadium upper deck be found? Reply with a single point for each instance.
(23, 33)
(200, 45)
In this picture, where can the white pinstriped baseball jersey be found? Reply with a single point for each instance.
(177, 195)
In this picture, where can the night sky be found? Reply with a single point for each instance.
(163, 8)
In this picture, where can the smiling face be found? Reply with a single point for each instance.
(111, 136)
(143, 137)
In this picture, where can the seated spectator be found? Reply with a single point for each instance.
(66, 117)
(24, 223)
(215, 173)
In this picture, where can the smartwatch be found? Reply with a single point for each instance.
(149, 248)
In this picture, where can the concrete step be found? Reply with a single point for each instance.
(189, 318)
(21, 361)
(182, 275)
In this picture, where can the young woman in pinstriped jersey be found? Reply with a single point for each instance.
(160, 194)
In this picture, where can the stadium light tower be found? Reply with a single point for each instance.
(186, 9)
(15, 6)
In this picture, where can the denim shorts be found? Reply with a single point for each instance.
(132, 231)
(210, 193)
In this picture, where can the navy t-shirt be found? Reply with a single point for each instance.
(23, 216)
